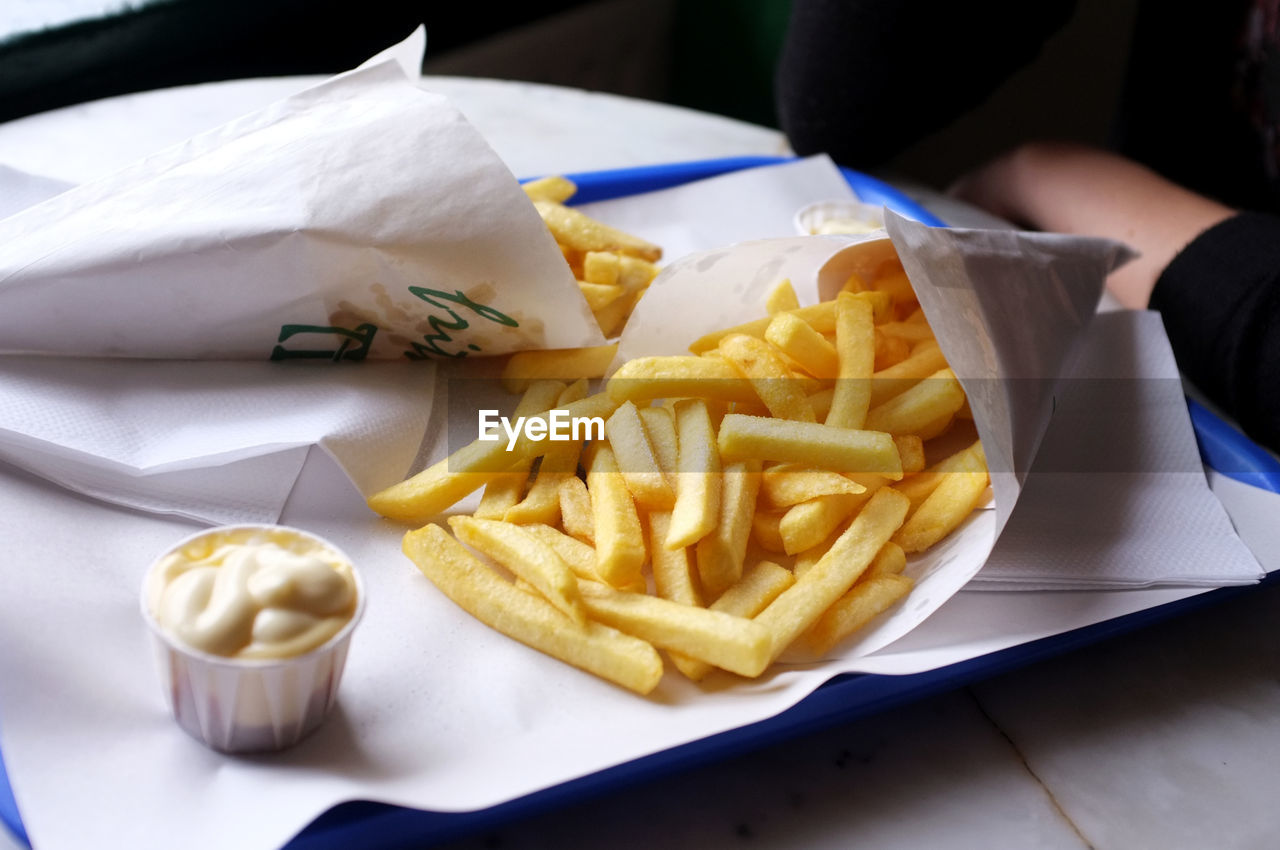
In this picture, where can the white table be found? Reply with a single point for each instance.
(1169, 737)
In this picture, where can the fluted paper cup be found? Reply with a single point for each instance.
(250, 705)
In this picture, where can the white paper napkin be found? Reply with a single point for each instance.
(218, 442)
(1117, 496)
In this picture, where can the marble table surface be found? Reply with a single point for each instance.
(1168, 737)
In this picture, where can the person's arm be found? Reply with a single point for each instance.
(1067, 188)
(863, 79)
(1213, 273)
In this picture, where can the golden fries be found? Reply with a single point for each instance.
(497, 603)
(824, 446)
(557, 364)
(697, 508)
(613, 268)
(620, 549)
(803, 434)
(803, 603)
(526, 556)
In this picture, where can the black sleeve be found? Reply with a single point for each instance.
(1220, 298)
(863, 79)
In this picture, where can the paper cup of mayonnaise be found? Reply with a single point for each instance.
(251, 625)
(838, 217)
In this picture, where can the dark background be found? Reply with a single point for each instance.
(713, 55)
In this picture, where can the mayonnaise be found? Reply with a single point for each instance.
(845, 225)
(252, 593)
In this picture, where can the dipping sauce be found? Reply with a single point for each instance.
(252, 593)
(845, 225)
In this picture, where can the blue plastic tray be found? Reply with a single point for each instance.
(844, 698)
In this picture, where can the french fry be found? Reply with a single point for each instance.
(806, 524)
(918, 487)
(555, 189)
(890, 350)
(864, 601)
(945, 508)
(603, 268)
(646, 378)
(580, 232)
(789, 484)
(781, 298)
(637, 459)
(806, 559)
(575, 510)
(911, 450)
(441, 485)
(897, 285)
(481, 592)
(764, 530)
(619, 541)
(613, 316)
(556, 363)
(635, 273)
(541, 504)
(758, 586)
(909, 331)
(600, 295)
(720, 553)
(673, 570)
(697, 507)
(798, 340)
(821, 316)
(890, 560)
(760, 363)
(660, 428)
(900, 377)
(881, 305)
(819, 401)
(800, 606)
(919, 409)
(855, 283)
(580, 557)
(855, 345)
(525, 556)
(840, 449)
(575, 391)
(734, 643)
(504, 491)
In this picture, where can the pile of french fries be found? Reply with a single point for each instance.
(613, 268)
(764, 490)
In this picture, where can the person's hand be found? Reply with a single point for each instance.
(1069, 188)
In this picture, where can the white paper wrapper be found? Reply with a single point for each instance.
(1003, 305)
(363, 217)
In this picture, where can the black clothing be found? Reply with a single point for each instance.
(1220, 299)
(862, 79)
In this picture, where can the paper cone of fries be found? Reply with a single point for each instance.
(1009, 311)
(363, 217)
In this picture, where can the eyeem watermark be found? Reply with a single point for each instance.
(556, 425)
